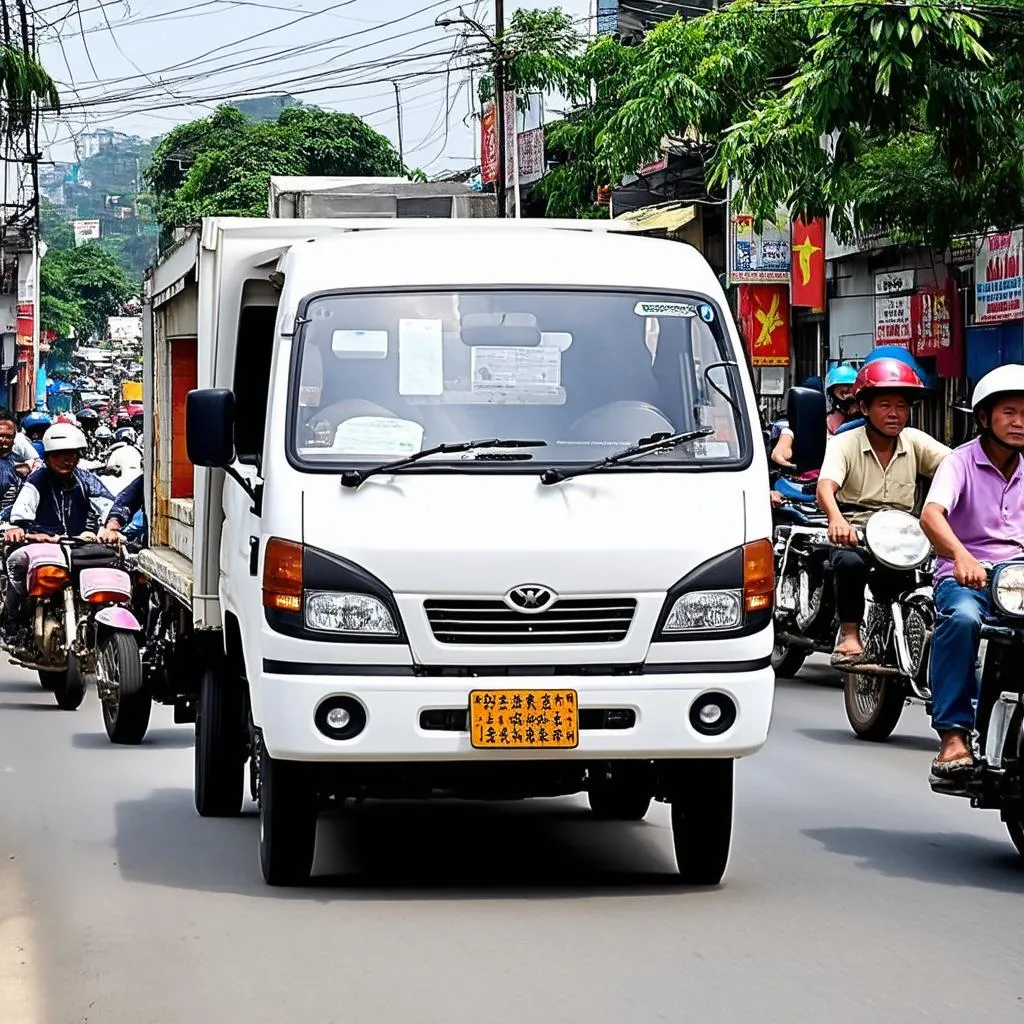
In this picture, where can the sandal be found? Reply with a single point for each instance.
(841, 660)
(950, 769)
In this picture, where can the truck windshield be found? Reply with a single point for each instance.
(382, 376)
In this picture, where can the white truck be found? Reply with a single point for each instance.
(478, 508)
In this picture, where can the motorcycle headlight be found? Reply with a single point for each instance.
(359, 614)
(1007, 588)
(896, 539)
(705, 609)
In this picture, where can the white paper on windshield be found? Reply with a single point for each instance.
(420, 357)
(711, 449)
(377, 435)
(360, 344)
(686, 309)
(531, 370)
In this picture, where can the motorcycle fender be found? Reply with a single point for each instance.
(118, 618)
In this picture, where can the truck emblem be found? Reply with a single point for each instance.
(530, 598)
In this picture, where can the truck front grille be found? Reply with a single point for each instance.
(567, 621)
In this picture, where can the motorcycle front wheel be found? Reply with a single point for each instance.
(126, 713)
(69, 686)
(873, 704)
(787, 660)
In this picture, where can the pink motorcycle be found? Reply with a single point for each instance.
(84, 632)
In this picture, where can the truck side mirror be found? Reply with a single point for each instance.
(210, 427)
(805, 411)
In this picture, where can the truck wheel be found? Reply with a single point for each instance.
(873, 705)
(219, 760)
(69, 685)
(126, 713)
(1015, 827)
(287, 821)
(702, 807)
(787, 660)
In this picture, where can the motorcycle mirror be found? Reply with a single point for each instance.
(806, 413)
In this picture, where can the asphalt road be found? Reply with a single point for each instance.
(854, 895)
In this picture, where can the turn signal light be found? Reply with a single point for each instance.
(758, 576)
(282, 575)
(48, 580)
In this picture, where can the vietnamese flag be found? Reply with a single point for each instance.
(764, 313)
(808, 276)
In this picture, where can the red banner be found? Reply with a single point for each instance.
(808, 248)
(489, 145)
(764, 312)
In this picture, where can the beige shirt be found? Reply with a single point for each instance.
(851, 462)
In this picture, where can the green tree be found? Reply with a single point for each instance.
(221, 165)
(21, 77)
(80, 288)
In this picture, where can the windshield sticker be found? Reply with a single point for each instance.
(377, 435)
(360, 344)
(556, 339)
(535, 370)
(686, 309)
(420, 357)
(707, 313)
(711, 449)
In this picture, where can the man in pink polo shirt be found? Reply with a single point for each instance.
(974, 513)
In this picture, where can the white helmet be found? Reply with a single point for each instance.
(62, 437)
(126, 460)
(1000, 381)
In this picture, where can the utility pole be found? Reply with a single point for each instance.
(499, 104)
(398, 110)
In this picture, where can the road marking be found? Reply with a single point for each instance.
(19, 981)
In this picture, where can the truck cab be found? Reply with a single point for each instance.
(478, 509)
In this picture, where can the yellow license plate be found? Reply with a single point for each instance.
(523, 719)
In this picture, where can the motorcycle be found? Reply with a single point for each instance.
(997, 780)
(899, 615)
(84, 632)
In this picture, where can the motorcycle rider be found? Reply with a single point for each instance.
(57, 500)
(974, 512)
(15, 448)
(873, 466)
(128, 502)
(33, 426)
(844, 407)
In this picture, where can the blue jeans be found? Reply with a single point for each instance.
(954, 682)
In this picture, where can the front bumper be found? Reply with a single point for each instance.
(394, 703)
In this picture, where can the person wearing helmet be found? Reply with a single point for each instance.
(57, 500)
(33, 426)
(16, 449)
(874, 466)
(844, 407)
(127, 435)
(974, 513)
(127, 504)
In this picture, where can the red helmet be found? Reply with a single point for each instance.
(888, 375)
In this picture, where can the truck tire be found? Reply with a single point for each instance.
(219, 752)
(702, 812)
(126, 718)
(69, 686)
(288, 802)
(873, 705)
(49, 680)
(622, 792)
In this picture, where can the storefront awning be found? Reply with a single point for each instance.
(666, 217)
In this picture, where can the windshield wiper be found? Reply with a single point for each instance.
(354, 477)
(657, 443)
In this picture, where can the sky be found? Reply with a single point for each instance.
(143, 66)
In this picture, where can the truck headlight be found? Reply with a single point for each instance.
(896, 539)
(359, 614)
(1008, 589)
(705, 609)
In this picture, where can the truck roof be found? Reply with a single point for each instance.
(490, 252)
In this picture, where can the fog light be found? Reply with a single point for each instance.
(709, 714)
(340, 717)
(712, 714)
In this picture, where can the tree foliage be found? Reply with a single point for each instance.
(221, 165)
(80, 288)
(21, 77)
(889, 116)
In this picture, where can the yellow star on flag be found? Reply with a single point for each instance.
(770, 322)
(806, 249)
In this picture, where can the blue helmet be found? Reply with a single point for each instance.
(36, 419)
(904, 356)
(838, 376)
